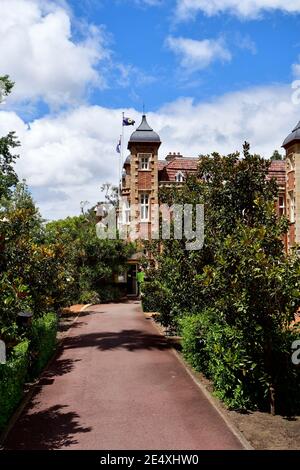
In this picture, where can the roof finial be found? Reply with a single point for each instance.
(143, 109)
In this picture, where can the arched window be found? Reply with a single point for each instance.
(179, 178)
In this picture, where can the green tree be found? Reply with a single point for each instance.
(8, 143)
(7, 84)
(276, 155)
(8, 176)
(91, 262)
(242, 275)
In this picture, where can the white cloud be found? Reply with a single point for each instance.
(69, 154)
(66, 158)
(264, 116)
(196, 55)
(39, 53)
(244, 8)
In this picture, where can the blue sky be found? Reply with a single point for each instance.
(262, 51)
(211, 73)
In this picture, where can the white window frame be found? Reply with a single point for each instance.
(144, 207)
(281, 207)
(292, 207)
(179, 178)
(127, 214)
(144, 161)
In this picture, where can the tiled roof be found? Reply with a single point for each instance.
(161, 165)
(183, 164)
(168, 170)
(277, 170)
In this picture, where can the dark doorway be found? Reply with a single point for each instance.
(131, 280)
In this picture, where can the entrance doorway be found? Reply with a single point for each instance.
(131, 280)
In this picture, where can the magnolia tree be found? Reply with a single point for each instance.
(241, 284)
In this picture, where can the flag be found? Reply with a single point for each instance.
(118, 148)
(128, 121)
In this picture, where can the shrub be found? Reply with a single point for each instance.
(150, 302)
(236, 368)
(157, 297)
(90, 297)
(193, 342)
(42, 341)
(235, 375)
(111, 293)
(12, 379)
(217, 350)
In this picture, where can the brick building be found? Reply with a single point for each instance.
(144, 173)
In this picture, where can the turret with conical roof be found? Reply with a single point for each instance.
(144, 133)
(293, 137)
(142, 176)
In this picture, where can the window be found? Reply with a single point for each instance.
(124, 214)
(144, 207)
(292, 206)
(291, 160)
(281, 206)
(179, 177)
(127, 213)
(144, 161)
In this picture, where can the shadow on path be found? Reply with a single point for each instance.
(67, 324)
(131, 340)
(58, 368)
(50, 428)
(53, 428)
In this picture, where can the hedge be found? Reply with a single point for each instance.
(219, 351)
(12, 378)
(42, 341)
(27, 360)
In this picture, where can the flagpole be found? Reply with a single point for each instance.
(120, 169)
(122, 148)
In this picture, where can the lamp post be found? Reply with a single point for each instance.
(24, 319)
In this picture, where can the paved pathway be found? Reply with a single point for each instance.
(116, 384)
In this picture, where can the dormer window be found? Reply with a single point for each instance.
(144, 159)
(179, 178)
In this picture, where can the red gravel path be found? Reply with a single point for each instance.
(117, 385)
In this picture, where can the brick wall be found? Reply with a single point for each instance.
(144, 179)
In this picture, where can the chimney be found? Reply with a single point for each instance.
(171, 156)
